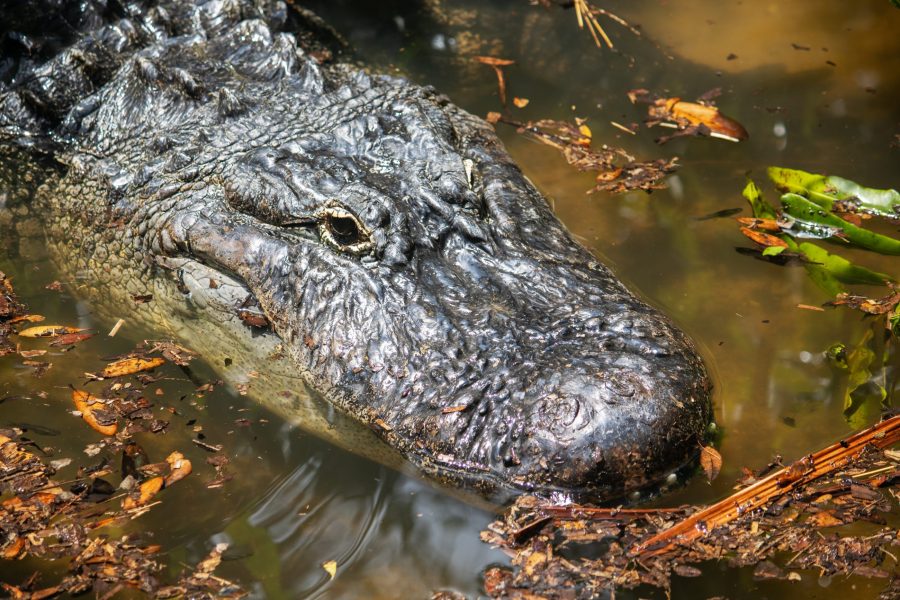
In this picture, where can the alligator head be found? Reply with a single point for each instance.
(414, 274)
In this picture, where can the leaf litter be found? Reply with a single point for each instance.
(616, 170)
(78, 522)
(786, 524)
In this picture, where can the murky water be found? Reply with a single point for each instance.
(815, 83)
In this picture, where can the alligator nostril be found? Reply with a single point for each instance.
(620, 388)
(558, 414)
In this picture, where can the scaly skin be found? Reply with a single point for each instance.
(415, 276)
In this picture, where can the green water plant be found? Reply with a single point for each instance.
(819, 207)
(816, 209)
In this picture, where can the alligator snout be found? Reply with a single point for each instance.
(603, 426)
(596, 414)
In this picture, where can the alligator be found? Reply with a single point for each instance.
(231, 156)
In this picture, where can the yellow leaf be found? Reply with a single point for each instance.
(330, 568)
(47, 331)
(585, 131)
(521, 102)
(127, 366)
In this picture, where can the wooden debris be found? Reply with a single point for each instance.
(497, 65)
(773, 524)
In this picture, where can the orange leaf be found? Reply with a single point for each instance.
(763, 239)
(147, 491)
(86, 405)
(29, 318)
(697, 114)
(127, 366)
(521, 102)
(764, 224)
(181, 468)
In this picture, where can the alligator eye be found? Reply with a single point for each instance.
(343, 230)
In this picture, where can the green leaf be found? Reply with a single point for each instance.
(841, 268)
(773, 250)
(802, 209)
(761, 209)
(824, 190)
(860, 389)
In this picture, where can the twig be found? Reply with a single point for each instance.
(777, 484)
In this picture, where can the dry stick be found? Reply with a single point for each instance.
(823, 462)
(574, 512)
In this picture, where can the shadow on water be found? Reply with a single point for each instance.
(296, 502)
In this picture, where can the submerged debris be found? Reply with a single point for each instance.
(774, 522)
(617, 171)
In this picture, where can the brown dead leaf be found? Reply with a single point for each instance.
(870, 306)
(70, 339)
(762, 224)
(763, 239)
(711, 461)
(94, 412)
(134, 364)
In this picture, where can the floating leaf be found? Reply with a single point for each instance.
(94, 412)
(330, 567)
(803, 209)
(867, 305)
(826, 190)
(180, 468)
(28, 318)
(761, 209)
(770, 225)
(146, 492)
(134, 364)
(70, 339)
(764, 239)
(841, 268)
(48, 331)
(711, 461)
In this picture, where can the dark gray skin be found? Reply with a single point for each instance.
(415, 276)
